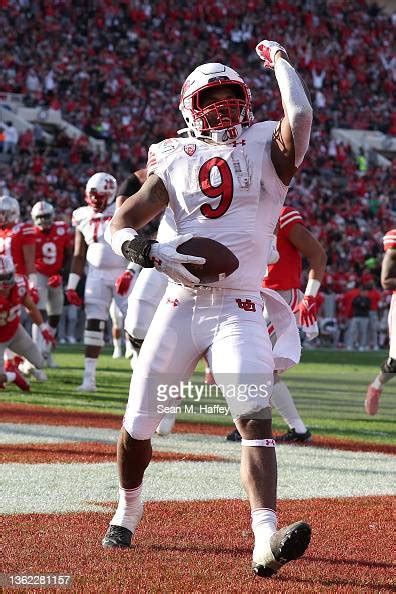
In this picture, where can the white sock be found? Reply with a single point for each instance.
(90, 369)
(10, 375)
(283, 402)
(377, 384)
(117, 343)
(263, 526)
(130, 508)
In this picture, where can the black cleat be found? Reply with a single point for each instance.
(293, 437)
(286, 544)
(117, 537)
(234, 436)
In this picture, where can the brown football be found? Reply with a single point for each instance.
(220, 261)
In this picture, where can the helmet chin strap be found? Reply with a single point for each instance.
(215, 136)
(226, 135)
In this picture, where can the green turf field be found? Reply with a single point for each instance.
(328, 388)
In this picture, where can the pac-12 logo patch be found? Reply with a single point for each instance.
(190, 149)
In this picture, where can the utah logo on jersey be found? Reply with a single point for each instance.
(190, 149)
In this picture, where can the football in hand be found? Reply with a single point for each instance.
(220, 261)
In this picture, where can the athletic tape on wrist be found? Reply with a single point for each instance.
(312, 287)
(262, 443)
(72, 281)
(118, 238)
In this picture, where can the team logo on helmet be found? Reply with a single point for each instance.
(100, 191)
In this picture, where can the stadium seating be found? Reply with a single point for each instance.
(115, 72)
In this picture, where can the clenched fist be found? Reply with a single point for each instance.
(266, 51)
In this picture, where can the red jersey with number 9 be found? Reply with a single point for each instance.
(50, 247)
(10, 308)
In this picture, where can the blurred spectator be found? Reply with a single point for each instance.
(375, 297)
(10, 138)
(2, 137)
(358, 334)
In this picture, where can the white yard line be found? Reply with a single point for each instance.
(303, 472)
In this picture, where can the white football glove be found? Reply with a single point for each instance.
(166, 259)
(266, 51)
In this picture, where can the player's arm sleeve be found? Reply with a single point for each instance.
(288, 219)
(28, 235)
(297, 107)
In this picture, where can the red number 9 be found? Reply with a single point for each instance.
(225, 189)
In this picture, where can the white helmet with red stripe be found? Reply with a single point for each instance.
(43, 214)
(222, 121)
(9, 211)
(389, 240)
(100, 191)
(7, 273)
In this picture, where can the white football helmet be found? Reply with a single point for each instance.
(7, 273)
(43, 214)
(100, 191)
(223, 120)
(9, 211)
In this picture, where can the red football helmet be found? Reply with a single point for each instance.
(100, 191)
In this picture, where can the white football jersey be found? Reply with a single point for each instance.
(230, 193)
(167, 227)
(93, 225)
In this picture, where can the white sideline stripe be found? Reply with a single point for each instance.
(51, 488)
(303, 473)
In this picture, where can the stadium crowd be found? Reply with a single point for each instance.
(111, 68)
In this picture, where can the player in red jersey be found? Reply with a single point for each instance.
(17, 242)
(388, 367)
(293, 241)
(14, 292)
(17, 239)
(53, 251)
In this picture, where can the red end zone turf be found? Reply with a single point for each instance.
(206, 547)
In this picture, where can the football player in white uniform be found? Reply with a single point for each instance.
(388, 367)
(107, 277)
(228, 182)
